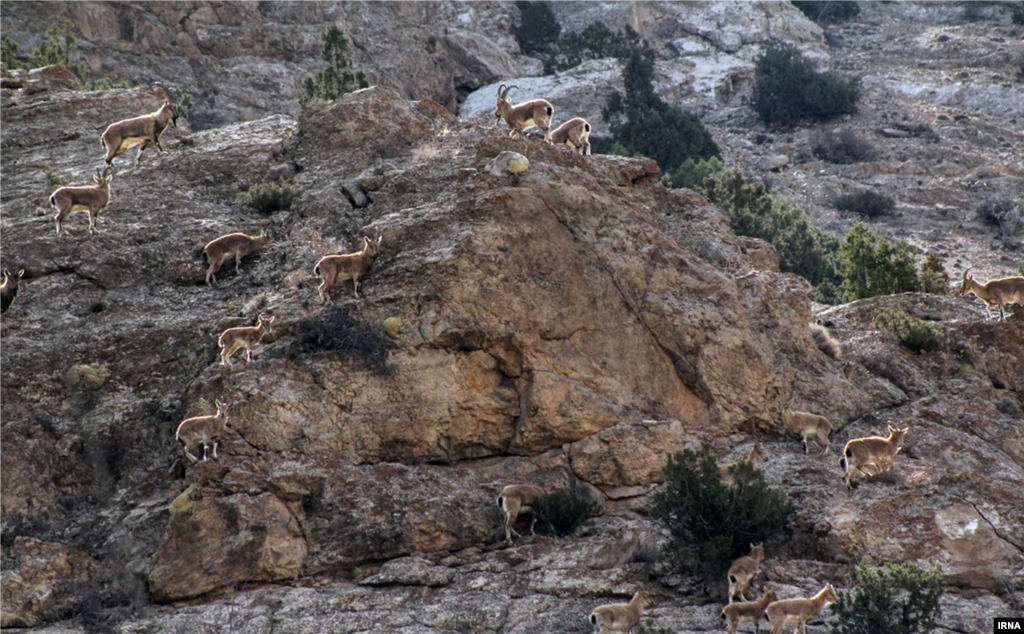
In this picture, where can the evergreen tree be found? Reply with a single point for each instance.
(643, 123)
(338, 78)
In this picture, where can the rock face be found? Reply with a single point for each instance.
(576, 319)
(246, 60)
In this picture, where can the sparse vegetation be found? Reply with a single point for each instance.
(934, 278)
(867, 203)
(842, 147)
(597, 41)
(184, 100)
(871, 265)
(895, 599)
(57, 47)
(712, 523)
(334, 330)
(803, 249)
(642, 122)
(561, 514)
(270, 196)
(9, 52)
(53, 177)
(913, 333)
(338, 78)
(828, 10)
(788, 89)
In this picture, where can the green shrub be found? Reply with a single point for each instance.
(104, 83)
(788, 89)
(561, 514)
(691, 173)
(333, 330)
(712, 523)
(338, 78)
(896, 599)
(871, 265)
(913, 333)
(934, 278)
(184, 101)
(57, 48)
(1017, 14)
(866, 202)
(54, 179)
(843, 147)
(270, 196)
(597, 41)
(9, 51)
(642, 122)
(828, 10)
(803, 249)
(537, 31)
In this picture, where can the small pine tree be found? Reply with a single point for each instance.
(934, 278)
(9, 51)
(642, 122)
(338, 78)
(712, 523)
(870, 265)
(896, 599)
(58, 47)
(538, 31)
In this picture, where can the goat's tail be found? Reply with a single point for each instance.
(501, 502)
(593, 618)
(53, 201)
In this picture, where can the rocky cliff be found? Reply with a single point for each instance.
(577, 319)
(245, 60)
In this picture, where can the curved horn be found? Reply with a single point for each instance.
(500, 88)
(508, 90)
(967, 272)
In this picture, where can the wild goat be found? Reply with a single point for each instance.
(620, 616)
(737, 613)
(797, 612)
(9, 290)
(744, 570)
(755, 459)
(350, 266)
(513, 500)
(232, 245)
(809, 427)
(871, 455)
(519, 117)
(140, 131)
(202, 429)
(575, 133)
(91, 198)
(994, 292)
(235, 339)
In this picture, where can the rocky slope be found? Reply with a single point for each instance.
(579, 319)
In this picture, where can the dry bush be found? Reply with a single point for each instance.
(842, 147)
